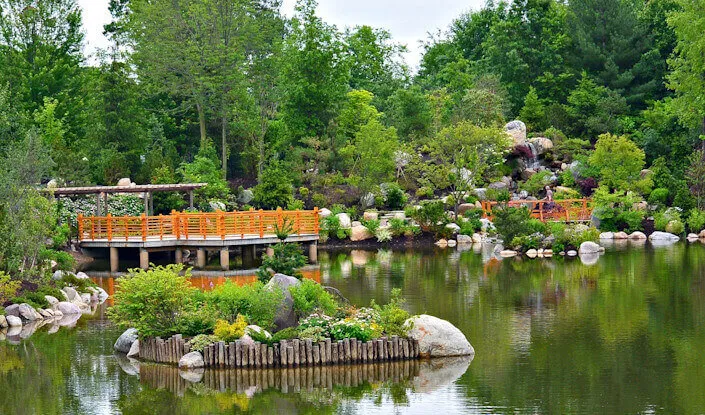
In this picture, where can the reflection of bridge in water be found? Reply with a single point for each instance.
(421, 375)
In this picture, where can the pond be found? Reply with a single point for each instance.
(625, 335)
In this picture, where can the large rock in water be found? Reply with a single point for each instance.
(286, 317)
(588, 247)
(124, 342)
(664, 237)
(28, 313)
(193, 360)
(439, 338)
(3, 322)
(13, 321)
(134, 349)
(67, 308)
(517, 130)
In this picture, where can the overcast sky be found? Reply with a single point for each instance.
(409, 21)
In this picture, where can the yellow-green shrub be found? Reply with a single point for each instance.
(230, 332)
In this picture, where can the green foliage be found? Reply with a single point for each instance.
(470, 227)
(228, 332)
(199, 320)
(512, 222)
(275, 189)
(8, 288)
(616, 210)
(152, 301)
(675, 227)
(310, 296)
(204, 169)
(568, 149)
(201, 341)
(35, 299)
(315, 334)
(70, 280)
(498, 195)
(253, 301)
(371, 224)
(619, 161)
(285, 334)
(659, 197)
(696, 220)
(537, 182)
(383, 235)
(393, 317)
(663, 219)
(288, 258)
(396, 198)
(431, 216)
(354, 328)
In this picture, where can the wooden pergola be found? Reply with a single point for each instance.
(147, 190)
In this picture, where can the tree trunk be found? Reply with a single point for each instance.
(202, 122)
(225, 147)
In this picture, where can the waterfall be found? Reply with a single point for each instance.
(533, 162)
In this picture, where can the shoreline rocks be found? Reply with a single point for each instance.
(439, 338)
(125, 341)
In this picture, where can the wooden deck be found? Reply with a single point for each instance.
(569, 210)
(202, 231)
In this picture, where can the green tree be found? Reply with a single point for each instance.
(276, 189)
(534, 112)
(409, 111)
(462, 153)
(595, 109)
(371, 154)
(618, 160)
(696, 177)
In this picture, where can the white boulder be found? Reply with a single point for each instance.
(589, 247)
(344, 219)
(639, 236)
(439, 338)
(360, 233)
(517, 130)
(124, 182)
(607, 235)
(324, 213)
(134, 349)
(532, 253)
(67, 308)
(453, 227)
(370, 215)
(464, 239)
(192, 360)
(13, 321)
(508, 253)
(663, 236)
(452, 243)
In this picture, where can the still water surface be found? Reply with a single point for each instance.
(626, 335)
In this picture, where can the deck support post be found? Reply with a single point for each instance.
(114, 259)
(201, 258)
(144, 258)
(248, 255)
(224, 259)
(179, 256)
(313, 252)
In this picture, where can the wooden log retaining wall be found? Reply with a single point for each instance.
(287, 353)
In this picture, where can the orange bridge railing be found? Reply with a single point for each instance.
(569, 210)
(177, 225)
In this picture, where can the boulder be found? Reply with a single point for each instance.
(67, 308)
(621, 235)
(547, 253)
(702, 234)
(134, 349)
(692, 237)
(498, 186)
(82, 276)
(59, 275)
(541, 145)
(72, 294)
(439, 338)
(508, 253)
(3, 322)
(86, 298)
(442, 243)
(517, 130)
(51, 300)
(345, 222)
(192, 375)
(663, 236)
(589, 247)
(607, 235)
(124, 182)
(464, 207)
(102, 295)
(246, 196)
(360, 233)
(464, 239)
(572, 253)
(124, 342)
(370, 215)
(324, 213)
(28, 313)
(476, 238)
(46, 313)
(13, 310)
(285, 317)
(368, 200)
(453, 227)
(452, 243)
(13, 321)
(217, 205)
(193, 360)
(400, 215)
(532, 253)
(486, 224)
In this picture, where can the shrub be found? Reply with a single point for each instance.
(287, 259)
(295, 204)
(315, 334)
(536, 226)
(352, 328)
(275, 189)
(319, 320)
(662, 219)
(616, 210)
(202, 341)
(511, 222)
(253, 301)
(565, 194)
(230, 332)
(424, 192)
(470, 227)
(331, 227)
(431, 216)
(200, 320)
(152, 301)
(260, 336)
(34, 299)
(310, 296)
(675, 227)
(696, 220)
(372, 225)
(393, 317)
(397, 226)
(498, 195)
(285, 334)
(659, 197)
(396, 198)
(8, 288)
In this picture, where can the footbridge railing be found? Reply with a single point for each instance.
(184, 225)
(569, 210)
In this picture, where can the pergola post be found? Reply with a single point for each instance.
(97, 204)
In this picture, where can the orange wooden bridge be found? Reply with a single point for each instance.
(200, 231)
(569, 210)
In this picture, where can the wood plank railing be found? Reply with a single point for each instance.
(569, 210)
(184, 225)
